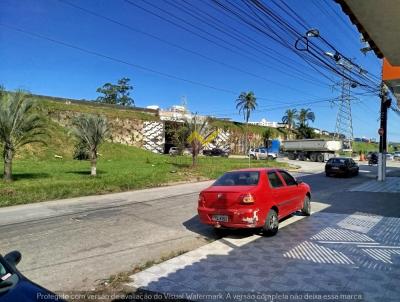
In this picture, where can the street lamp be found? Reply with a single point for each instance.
(312, 33)
(336, 56)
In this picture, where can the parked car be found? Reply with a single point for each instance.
(253, 198)
(261, 153)
(173, 151)
(16, 287)
(396, 155)
(389, 156)
(216, 152)
(341, 166)
(187, 151)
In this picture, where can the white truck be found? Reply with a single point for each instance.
(318, 150)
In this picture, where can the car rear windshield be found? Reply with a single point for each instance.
(239, 178)
(337, 161)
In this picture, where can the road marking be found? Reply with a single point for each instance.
(361, 244)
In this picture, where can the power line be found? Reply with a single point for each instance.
(246, 40)
(98, 54)
(167, 42)
(271, 108)
(206, 36)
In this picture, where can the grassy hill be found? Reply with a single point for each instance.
(40, 176)
(52, 104)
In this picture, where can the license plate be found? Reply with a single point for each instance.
(335, 168)
(222, 218)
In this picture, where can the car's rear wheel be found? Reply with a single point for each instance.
(271, 224)
(306, 210)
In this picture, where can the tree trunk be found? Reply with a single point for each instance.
(8, 156)
(195, 152)
(246, 143)
(193, 160)
(93, 162)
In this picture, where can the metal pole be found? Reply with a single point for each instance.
(383, 136)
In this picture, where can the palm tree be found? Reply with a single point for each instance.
(246, 103)
(91, 131)
(199, 136)
(290, 118)
(20, 124)
(304, 116)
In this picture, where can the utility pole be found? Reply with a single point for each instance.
(385, 104)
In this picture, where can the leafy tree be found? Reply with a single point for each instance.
(304, 116)
(246, 103)
(116, 94)
(290, 118)
(199, 136)
(91, 131)
(305, 132)
(20, 124)
(178, 134)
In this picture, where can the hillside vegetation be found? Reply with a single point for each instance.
(39, 175)
(52, 104)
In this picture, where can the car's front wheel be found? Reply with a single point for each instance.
(306, 210)
(271, 224)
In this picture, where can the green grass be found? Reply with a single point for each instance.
(368, 147)
(52, 106)
(39, 175)
(120, 168)
(236, 127)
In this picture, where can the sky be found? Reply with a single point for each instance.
(194, 51)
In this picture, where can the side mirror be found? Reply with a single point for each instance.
(299, 182)
(13, 258)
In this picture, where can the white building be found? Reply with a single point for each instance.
(265, 123)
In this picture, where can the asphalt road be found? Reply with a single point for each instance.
(72, 244)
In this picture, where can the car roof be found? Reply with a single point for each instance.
(256, 169)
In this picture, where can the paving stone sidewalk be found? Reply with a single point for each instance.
(357, 254)
(390, 185)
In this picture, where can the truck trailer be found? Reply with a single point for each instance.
(318, 150)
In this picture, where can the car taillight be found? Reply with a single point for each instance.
(247, 198)
(201, 200)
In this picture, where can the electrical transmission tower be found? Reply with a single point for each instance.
(344, 120)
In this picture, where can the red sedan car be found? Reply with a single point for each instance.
(253, 198)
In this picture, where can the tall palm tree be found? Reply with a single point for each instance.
(20, 124)
(246, 103)
(304, 116)
(290, 118)
(199, 136)
(91, 131)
